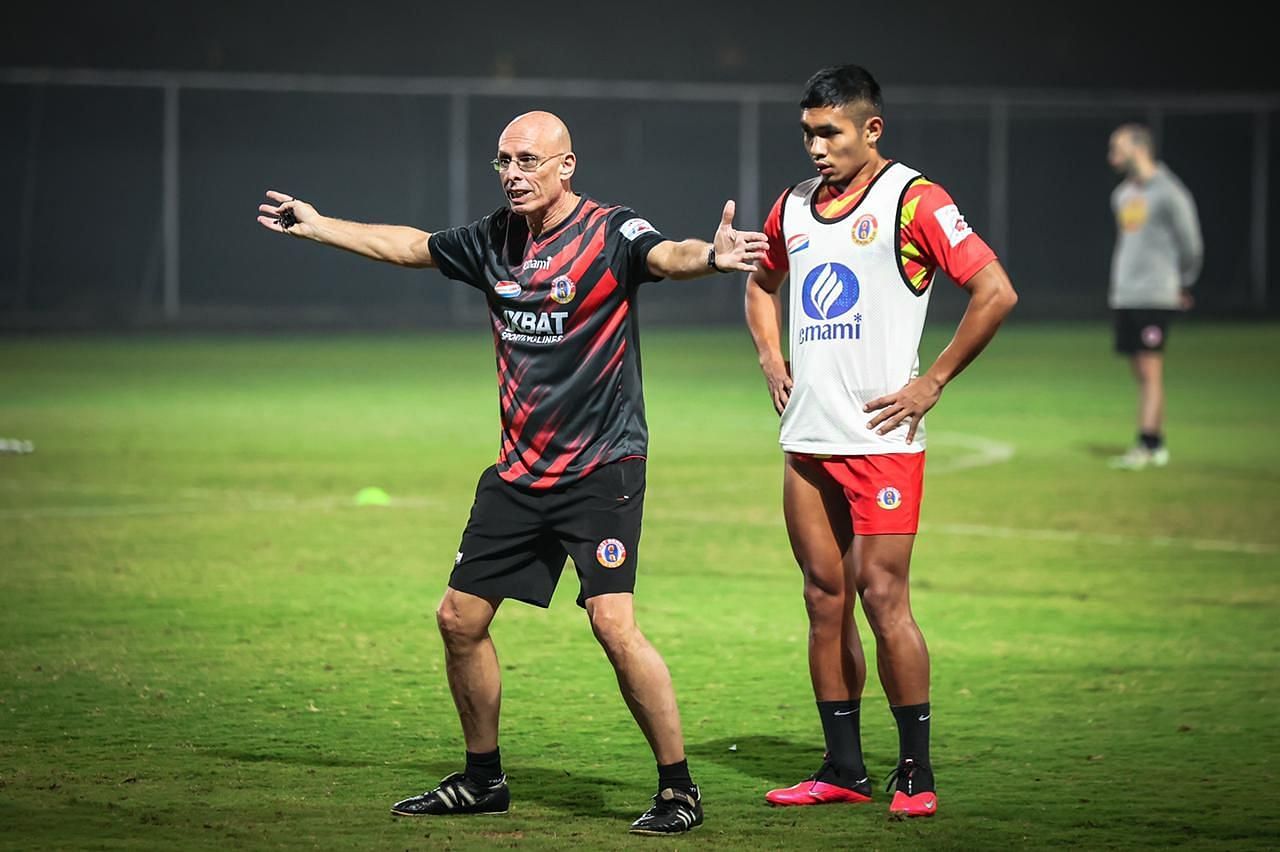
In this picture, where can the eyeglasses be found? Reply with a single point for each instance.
(526, 162)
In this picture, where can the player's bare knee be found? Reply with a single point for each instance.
(614, 630)
(448, 621)
(825, 603)
(455, 628)
(886, 605)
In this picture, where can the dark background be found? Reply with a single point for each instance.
(84, 162)
(1072, 45)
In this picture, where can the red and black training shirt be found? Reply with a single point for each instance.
(565, 329)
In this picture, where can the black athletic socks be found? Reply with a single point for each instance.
(1151, 440)
(843, 733)
(675, 775)
(913, 737)
(484, 767)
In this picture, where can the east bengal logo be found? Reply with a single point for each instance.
(888, 498)
(864, 229)
(611, 553)
(563, 289)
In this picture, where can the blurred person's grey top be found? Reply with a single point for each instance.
(1158, 249)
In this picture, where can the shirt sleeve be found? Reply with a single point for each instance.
(938, 230)
(1185, 222)
(459, 253)
(775, 257)
(632, 238)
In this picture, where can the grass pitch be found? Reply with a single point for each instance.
(205, 643)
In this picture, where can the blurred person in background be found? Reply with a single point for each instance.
(1157, 259)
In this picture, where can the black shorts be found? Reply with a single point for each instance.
(516, 541)
(1142, 329)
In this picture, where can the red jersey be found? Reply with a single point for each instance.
(928, 220)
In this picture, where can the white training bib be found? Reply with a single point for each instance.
(855, 320)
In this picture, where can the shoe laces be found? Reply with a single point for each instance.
(840, 778)
(826, 764)
(904, 770)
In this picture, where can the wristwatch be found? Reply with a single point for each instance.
(711, 259)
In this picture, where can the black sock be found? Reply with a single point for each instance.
(675, 775)
(913, 732)
(843, 733)
(913, 745)
(484, 767)
(1151, 440)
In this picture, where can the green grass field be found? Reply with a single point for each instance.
(206, 644)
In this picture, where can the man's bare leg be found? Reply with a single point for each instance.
(642, 675)
(471, 663)
(882, 566)
(1148, 368)
(821, 533)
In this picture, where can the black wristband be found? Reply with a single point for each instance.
(711, 259)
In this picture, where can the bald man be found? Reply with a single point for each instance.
(560, 272)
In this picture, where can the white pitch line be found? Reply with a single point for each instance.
(1101, 538)
(985, 452)
(112, 490)
(333, 503)
(990, 452)
(139, 509)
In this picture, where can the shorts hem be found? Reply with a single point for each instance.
(914, 448)
(915, 531)
(481, 593)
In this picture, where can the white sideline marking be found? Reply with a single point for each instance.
(58, 487)
(284, 505)
(985, 452)
(334, 503)
(1101, 538)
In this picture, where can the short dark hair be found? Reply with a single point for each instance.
(1140, 135)
(841, 86)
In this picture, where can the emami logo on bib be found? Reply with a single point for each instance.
(829, 291)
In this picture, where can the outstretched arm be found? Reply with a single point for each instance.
(734, 251)
(991, 297)
(398, 244)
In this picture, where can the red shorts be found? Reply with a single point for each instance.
(884, 491)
